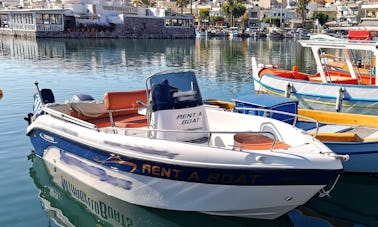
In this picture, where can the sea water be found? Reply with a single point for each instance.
(30, 197)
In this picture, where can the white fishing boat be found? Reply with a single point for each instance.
(330, 89)
(169, 151)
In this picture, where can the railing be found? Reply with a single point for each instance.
(24, 27)
(296, 116)
(85, 124)
(264, 112)
(151, 130)
(49, 27)
(68, 118)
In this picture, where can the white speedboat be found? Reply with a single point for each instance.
(165, 149)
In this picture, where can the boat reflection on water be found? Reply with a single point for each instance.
(70, 202)
(353, 202)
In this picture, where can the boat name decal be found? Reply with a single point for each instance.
(189, 118)
(47, 138)
(183, 174)
(98, 207)
(199, 176)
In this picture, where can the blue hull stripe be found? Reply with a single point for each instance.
(373, 100)
(246, 176)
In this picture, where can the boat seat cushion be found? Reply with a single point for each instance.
(122, 100)
(252, 141)
(123, 107)
(130, 120)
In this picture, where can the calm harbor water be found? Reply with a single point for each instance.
(30, 195)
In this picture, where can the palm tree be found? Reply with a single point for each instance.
(146, 4)
(233, 9)
(182, 4)
(301, 9)
(203, 14)
(228, 8)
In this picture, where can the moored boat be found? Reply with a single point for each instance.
(329, 89)
(168, 151)
(355, 135)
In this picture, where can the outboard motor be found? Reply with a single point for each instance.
(47, 96)
(82, 97)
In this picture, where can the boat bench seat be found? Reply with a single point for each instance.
(334, 79)
(123, 108)
(330, 129)
(119, 109)
(338, 137)
(249, 141)
(372, 137)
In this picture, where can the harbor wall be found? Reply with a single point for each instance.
(133, 28)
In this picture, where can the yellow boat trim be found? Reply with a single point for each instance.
(222, 104)
(340, 118)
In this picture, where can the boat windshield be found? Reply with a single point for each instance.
(174, 90)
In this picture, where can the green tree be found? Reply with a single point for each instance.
(233, 9)
(322, 17)
(215, 19)
(273, 20)
(182, 4)
(203, 14)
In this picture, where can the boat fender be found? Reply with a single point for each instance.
(288, 90)
(339, 99)
(260, 159)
